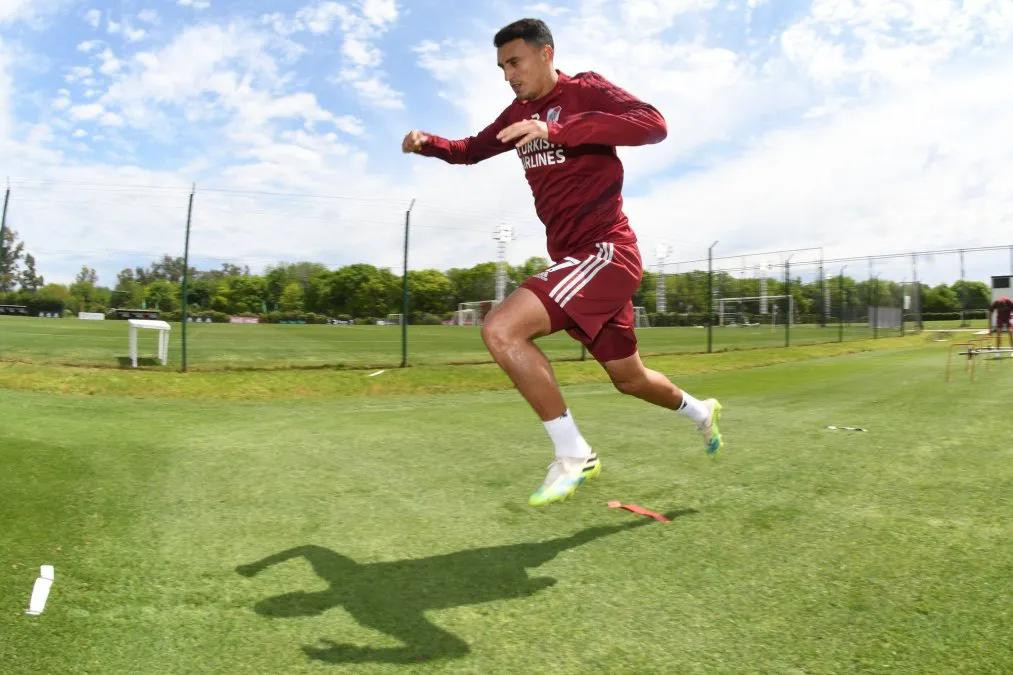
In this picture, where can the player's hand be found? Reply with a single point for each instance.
(413, 141)
(525, 130)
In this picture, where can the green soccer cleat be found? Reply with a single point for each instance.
(709, 428)
(565, 475)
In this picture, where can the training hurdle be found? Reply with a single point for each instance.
(163, 329)
(974, 349)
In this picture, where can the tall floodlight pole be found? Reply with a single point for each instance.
(3, 229)
(710, 297)
(503, 236)
(186, 270)
(404, 288)
(660, 299)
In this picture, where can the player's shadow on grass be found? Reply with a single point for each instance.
(392, 597)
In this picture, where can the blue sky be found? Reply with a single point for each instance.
(860, 126)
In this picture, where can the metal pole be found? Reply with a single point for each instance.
(916, 295)
(710, 297)
(404, 289)
(186, 270)
(3, 235)
(840, 320)
(787, 292)
(823, 294)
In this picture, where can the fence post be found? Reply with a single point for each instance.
(710, 297)
(404, 289)
(186, 272)
(843, 304)
(787, 302)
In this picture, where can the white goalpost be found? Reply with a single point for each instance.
(736, 302)
(640, 319)
(392, 320)
(473, 313)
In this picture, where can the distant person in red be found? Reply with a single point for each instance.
(564, 130)
(1003, 308)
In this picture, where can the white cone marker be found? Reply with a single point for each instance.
(40, 592)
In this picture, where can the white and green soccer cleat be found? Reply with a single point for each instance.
(565, 475)
(709, 428)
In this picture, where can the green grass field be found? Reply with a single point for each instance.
(319, 521)
(225, 346)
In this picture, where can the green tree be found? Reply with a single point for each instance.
(128, 292)
(941, 298)
(529, 267)
(84, 294)
(469, 284)
(10, 253)
(163, 295)
(291, 299)
(359, 290)
(972, 294)
(431, 292)
(29, 278)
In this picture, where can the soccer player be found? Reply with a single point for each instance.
(1003, 308)
(564, 130)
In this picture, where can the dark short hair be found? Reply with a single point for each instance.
(532, 31)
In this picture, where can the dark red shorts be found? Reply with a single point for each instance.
(589, 295)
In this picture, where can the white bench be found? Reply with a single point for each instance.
(163, 329)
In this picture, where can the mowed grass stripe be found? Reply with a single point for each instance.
(264, 346)
(800, 549)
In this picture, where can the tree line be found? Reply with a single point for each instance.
(365, 292)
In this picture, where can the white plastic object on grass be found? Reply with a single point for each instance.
(845, 428)
(379, 372)
(40, 592)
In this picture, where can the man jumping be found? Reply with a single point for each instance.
(1003, 308)
(565, 130)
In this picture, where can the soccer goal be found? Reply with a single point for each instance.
(640, 319)
(392, 320)
(731, 311)
(473, 313)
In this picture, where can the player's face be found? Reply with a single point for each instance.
(527, 68)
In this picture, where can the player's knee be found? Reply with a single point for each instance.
(630, 386)
(497, 335)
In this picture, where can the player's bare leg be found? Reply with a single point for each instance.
(509, 333)
(631, 377)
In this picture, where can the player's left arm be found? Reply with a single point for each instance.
(614, 117)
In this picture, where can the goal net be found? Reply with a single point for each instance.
(392, 320)
(640, 319)
(746, 310)
(473, 313)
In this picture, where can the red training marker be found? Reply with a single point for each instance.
(639, 510)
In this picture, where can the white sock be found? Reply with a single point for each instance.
(694, 409)
(566, 437)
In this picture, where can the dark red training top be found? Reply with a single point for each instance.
(575, 176)
(1004, 307)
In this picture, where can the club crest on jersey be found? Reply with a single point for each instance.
(552, 115)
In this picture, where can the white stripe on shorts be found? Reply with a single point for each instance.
(591, 272)
(561, 286)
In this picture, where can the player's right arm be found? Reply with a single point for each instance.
(482, 145)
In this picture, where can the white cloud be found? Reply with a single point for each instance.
(88, 45)
(88, 111)
(922, 168)
(78, 73)
(196, 4)
(93, 17)
(377, 92)
(79, 133)
(148, 16)
(545, 9)
(110, 64)
(362, 29)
